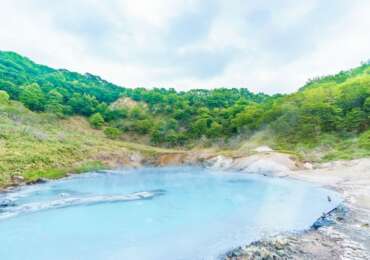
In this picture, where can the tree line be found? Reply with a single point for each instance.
(338, 105)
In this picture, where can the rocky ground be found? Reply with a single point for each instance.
(341, 236)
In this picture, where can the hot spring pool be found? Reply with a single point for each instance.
(153, 213)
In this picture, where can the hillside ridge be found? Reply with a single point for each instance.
(52, 120)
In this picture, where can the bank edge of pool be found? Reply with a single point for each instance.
(344, 233)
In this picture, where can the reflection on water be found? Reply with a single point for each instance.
(153, 213)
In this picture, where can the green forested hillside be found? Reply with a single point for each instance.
(332, 112)
(168, 117)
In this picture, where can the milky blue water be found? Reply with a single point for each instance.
(153, 213)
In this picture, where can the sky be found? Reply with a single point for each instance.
(271, 46)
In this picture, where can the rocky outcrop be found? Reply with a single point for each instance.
(170, 159)
(263, 149)
(264, 160)
(335, 236)
(269, 163)
(116, 159)
(219, 162)
(334, 240)
(185, 158)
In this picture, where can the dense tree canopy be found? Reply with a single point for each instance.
(338, 104)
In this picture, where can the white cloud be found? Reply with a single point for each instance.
(155, 13)
(270, 46)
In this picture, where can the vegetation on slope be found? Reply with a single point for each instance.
(35, 145)
(168, 117)
(329, 115)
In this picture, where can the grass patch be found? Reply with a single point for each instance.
(40, 145)
(89, 167)
(50, 174)
(53, 173)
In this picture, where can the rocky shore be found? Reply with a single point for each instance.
(342, 234)
(338, 236)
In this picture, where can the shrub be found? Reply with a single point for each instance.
(364, 140)
(142, 126)
(96, 120)
(112, 132)
(4, 97)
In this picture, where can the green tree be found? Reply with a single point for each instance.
(33, 97)
(174, 138)
(157, 137)
(102, 108)
(54, 103)
(364, 140)
(115, 114)
(4, 97)
(96, 120)
(112, 132)
(215, 130)
(142, 126)
(10, 88)
(137, 112)
(83, 104)
(356, 120)
(248, 118)
(199, 127)
(367, 105)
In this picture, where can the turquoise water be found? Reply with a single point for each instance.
(153, 213)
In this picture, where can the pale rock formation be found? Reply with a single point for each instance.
(263, 149)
